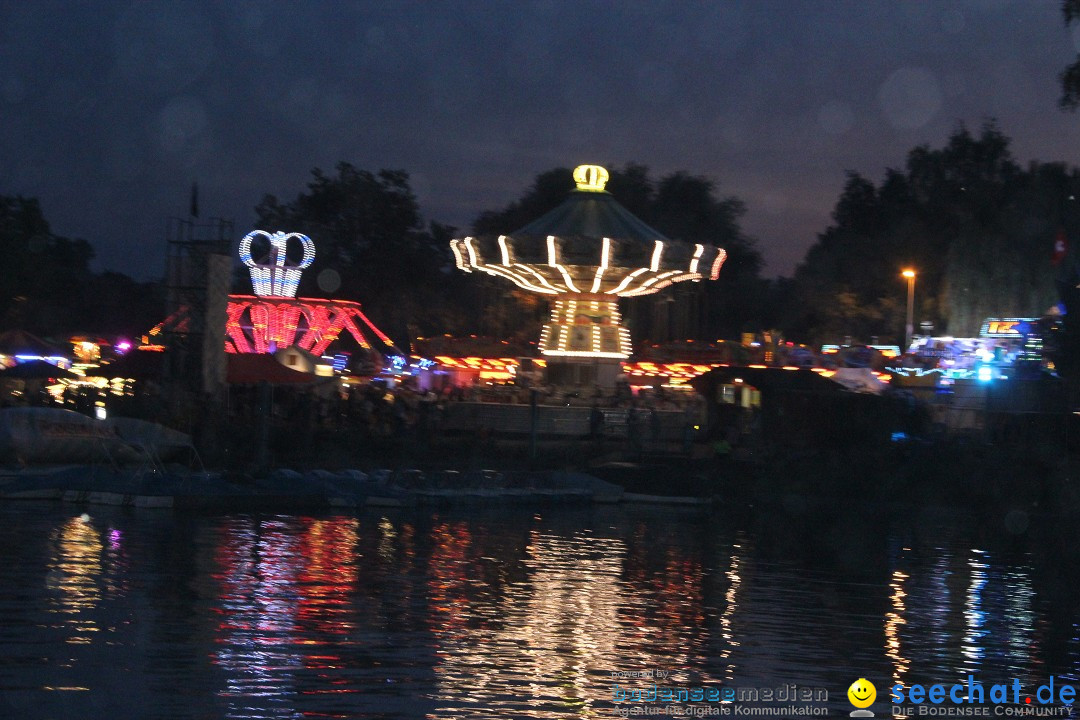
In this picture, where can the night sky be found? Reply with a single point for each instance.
(110, 110)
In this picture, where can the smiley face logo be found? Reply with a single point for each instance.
(862, 693)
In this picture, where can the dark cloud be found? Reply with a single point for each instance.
(111, 109)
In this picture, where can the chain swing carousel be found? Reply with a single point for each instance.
(586, 254)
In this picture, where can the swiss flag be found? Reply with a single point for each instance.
(1061, 247)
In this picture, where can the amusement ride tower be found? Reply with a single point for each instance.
(587, 253)
(274, 318)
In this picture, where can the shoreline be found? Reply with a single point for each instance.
(980, 477)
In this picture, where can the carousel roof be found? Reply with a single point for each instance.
(591, 213)
(590, 244)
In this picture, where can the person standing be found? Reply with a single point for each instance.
(596, 424)
(633, 428)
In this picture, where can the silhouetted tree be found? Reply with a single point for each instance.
(47, 286)
(975, 227)
(1070, 76)
(371, 246)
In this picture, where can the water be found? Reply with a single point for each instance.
(509, 613)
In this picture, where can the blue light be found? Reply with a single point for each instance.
(986, 373)
(274, 276)
(60, 362)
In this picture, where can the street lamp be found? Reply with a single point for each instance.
(910, 275)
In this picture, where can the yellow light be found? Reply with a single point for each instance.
(472, 253)
(591, 178)
(908, 274)
(458, 259)
(503, 249)
(543, 281)
(597, 279)
(587, 353)
(698, 250)
(657, 252)
(567, 279)
(515, 278)
(721, 255)
(646, 288)
(626, 281)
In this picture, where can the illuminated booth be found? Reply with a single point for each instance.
(274, 318)
(586, 254)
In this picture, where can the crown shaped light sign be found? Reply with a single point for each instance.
(591, 178)
(275, 275)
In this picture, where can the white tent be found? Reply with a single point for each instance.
(860, 380)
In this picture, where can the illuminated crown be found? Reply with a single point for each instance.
(275, 275)
(591, 178)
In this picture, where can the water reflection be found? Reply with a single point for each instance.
(727, 631)
(521, 629)
(328, 576)
(974, 616)
(259, 647)
(894, 620)
(1019, 619)
(506, 614)
(75, 575)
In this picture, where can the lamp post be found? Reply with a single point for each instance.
(908, 329)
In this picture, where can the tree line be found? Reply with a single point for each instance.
(48, 287)
(977, 228)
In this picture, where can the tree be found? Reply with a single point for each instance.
(43, 283)
(1070, 76)
(47, 287)
(371, 246)
(976, 228)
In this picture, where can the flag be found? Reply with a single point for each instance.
(195, 200)
(1061, 247)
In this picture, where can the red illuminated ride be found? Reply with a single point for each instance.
(273, 318)
(264, 324)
